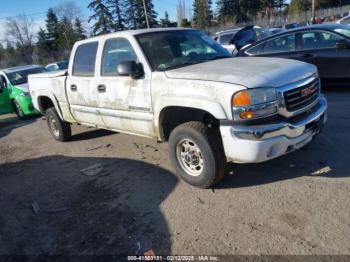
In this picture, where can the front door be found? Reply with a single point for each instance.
(81, 86)
(124, 102)
(5, 101)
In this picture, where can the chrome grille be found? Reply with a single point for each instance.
(302, 96)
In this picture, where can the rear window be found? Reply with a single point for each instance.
(21, 77)
(84, 60)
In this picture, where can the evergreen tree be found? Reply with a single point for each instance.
(249, 9)
(117, 14)
(52, 34)
(202, 13)
(67, 37)
(42, 46)
(229, 11)
(165, 22)
(102, 16)
(135, 14)
(151, 14)
(78, 29)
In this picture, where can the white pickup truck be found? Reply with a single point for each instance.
(180, 86)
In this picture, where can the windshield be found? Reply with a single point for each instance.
(343, 31)
(21, 77)
(173, 49)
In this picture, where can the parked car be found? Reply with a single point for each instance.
(14, 92)
(234, 40)
(61, 65)
(327, 46)
(345, 20)
(180, 86)
(224, 38)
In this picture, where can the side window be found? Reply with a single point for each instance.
(256, 50)
(318, 40)
(84, 60)
(116, 51)
(280, 44)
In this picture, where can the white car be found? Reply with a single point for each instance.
(345, 20)
(225, 38)
(61, 65)
(180, 86)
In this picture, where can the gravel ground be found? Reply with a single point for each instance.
(297, 204)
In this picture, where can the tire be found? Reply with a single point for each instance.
(60, 130)
(18, 110)
(197, 154)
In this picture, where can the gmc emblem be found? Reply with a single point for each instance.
(307, 91)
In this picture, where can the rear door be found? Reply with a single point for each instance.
(5, 102)
(319, 48)
(82, 86)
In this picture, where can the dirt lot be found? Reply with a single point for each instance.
(297, 204)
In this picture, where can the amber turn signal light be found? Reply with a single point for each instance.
(247, 115)
(241, 99)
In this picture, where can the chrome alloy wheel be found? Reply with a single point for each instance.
(190, 157)
(54, 126)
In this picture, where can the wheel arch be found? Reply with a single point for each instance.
(180, 110)
(45, 102)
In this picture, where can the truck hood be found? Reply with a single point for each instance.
(250, 72)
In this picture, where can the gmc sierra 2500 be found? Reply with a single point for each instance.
(180, 86)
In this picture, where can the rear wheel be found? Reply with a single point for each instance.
(18, 110)
(196, 152)
(60, 130)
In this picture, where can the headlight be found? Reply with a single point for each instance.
(254, 103)
(25, 94)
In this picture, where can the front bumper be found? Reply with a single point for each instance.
(254, 144)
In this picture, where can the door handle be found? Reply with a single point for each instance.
(101, 88)
(73, 88)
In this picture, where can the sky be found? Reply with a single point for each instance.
(37, 10)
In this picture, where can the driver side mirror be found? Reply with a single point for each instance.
(130, 68)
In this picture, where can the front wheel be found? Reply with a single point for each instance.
(60, 130)
(18, 110)
(197, 154)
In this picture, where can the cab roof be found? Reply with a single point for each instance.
(136, 32)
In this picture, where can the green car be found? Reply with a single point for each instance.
(14, 92)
